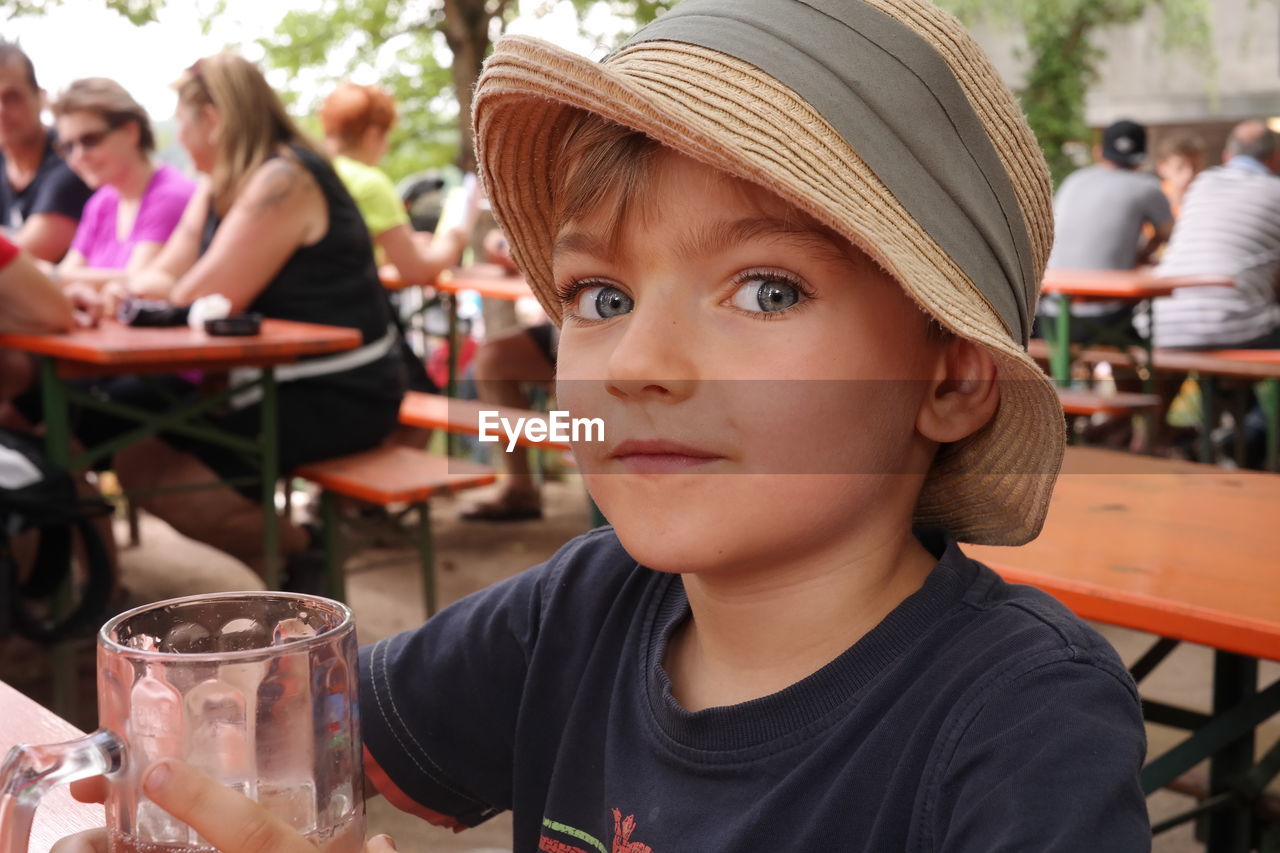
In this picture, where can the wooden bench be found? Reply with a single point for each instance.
(1039, 349)
(1083, 402)
(387, 475)
(436, 411)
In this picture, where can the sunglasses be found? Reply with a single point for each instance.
(85, 141)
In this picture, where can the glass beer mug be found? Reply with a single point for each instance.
(257, 690)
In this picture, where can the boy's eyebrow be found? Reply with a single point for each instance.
(714, 237)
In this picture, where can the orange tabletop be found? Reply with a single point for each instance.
(1251, 356)
(489, 280)
(59, 815)
(1122, 284)
(436, 411)
(113, 348)
(1177, 549)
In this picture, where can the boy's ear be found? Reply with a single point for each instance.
(963, 395)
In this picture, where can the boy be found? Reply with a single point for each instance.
(835, 202)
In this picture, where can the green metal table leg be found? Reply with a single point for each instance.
(57, 444)
(1208, 411)
(1149, 349)
(270, 438)
(1229, 829)
(334, 578)
(1269, 398)
(1060, 346)
(451, 387)
(427, 557)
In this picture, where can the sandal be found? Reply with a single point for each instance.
(500, 511)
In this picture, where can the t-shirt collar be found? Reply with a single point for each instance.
(1248, 164)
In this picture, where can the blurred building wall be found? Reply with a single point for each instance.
(1176, 92)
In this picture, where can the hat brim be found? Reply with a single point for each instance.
(991, 488)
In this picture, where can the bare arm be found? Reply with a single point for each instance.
(280, 210)
(1157, 239)
(142, 256)
(46, 235)
(30, 301)
(418, 264)
(170, 262)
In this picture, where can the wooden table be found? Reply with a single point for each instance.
(1138, 285)
(491, 282)
(115, 349)
(59, 815)
(1187, 552)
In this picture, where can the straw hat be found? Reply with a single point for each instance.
(885, 121)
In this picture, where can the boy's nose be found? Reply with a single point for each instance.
(654, 358)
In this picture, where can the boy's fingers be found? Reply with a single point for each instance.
(90, 841)
(91, 790)
(380, 844)
(229, 821)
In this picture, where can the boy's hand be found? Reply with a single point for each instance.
(232, 822)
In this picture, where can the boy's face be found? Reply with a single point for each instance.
(759, 379)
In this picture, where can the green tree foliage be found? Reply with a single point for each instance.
(1063, 57)
(137, 11)
(427, 53)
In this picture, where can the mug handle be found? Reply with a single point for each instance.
(29, 772)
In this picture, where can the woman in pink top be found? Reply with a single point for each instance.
(105, 137)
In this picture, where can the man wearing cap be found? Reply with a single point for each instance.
(40, 197)
(1100, 212)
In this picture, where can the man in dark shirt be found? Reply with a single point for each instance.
(40, 197)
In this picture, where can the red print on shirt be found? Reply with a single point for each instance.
(622, 829)
(622, 843)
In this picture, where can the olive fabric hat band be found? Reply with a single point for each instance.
(949, 178)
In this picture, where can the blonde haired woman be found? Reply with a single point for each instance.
(105, 137)
(274, 231)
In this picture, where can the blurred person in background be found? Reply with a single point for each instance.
(40, 197)
(32, 303)
(273, 230)
(105, 137)
(1181, 158)
(357, 123)
(1230, 226)
(1099, 214)
(503, 368)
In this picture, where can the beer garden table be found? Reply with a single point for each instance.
(1186, 552)
(113, 349)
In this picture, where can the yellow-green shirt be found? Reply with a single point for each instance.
(374, 193)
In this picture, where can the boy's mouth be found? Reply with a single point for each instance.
(659, 456)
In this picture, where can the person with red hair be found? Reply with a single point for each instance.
(357, 123)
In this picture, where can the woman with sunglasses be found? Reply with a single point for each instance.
(274, 231)
(105, 137)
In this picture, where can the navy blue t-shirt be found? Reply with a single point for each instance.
(54, 189)
(977, 716)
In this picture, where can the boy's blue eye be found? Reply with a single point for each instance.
(766, 295)
(602, 302)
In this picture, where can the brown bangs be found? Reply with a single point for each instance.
(606, 171)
